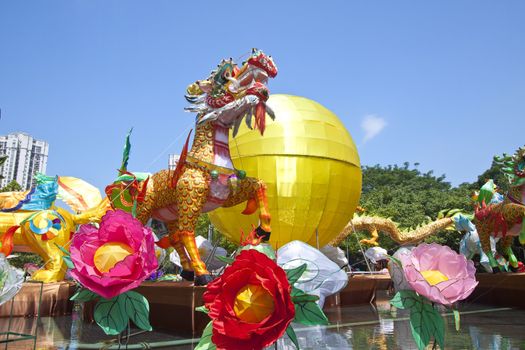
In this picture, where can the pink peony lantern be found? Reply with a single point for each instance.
(439, 273)
(114, 258)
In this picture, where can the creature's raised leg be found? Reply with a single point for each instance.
(515, 214)
(191, 195)
(176, 242)
(55, 267)
(373, 239)
(202, 276)
(254, 192)
(484, 238)
(507, 249)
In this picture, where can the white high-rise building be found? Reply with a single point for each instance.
(172, 161)
(25, 157)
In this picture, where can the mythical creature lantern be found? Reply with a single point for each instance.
(505, 218)
(376, 224)
(31, 218)
(205, 178)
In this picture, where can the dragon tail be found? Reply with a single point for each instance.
(374, 224)
(7, 241)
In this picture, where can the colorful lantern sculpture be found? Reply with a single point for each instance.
(506, 218)
(205, 177)
(30, 218)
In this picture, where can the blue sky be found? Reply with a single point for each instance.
(441, 83)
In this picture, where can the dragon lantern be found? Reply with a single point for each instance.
(504, 218)
(204, 178)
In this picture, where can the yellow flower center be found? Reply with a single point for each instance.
(253, 304)
(109, 254)
(434, 277)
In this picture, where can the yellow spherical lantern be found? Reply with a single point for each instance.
(311, 166)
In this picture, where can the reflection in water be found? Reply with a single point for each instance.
(358, 327)
(316, 337)
(382, 327)
(485, 341)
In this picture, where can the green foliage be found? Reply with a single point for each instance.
(425, 321)
(308, 312)
(205, 342)
(202, 230)
(113, 315)
(294, 274)
(202, 309)
(494, 173)
(137, 309)
(293, 337)
(26, 258)
(84, 295)
(13, 186)
(410, 198)
(298, 296)
(225, 259)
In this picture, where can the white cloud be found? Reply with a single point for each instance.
(372, 125)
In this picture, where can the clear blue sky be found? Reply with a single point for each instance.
(447, 77)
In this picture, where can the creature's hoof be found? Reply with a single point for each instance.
(203, 280)
(262, 233)
(187, 275)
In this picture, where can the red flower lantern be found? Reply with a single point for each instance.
(250, 304)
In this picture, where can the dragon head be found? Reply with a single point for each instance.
(230, 94)
(258, 68)
(259, 60)
(513, 167)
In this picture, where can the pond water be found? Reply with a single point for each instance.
(357, 327)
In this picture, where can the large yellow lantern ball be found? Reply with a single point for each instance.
(310, 164)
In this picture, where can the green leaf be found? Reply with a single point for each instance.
(298, 296)
(110, 315)
(202, 309)
(291, 334)
(396, 261)
(225, 259)
(68, 261)
(206, 343)
(84, 295)
(426, 322)
(310, 314)
(457, 320)
(137, 309)
(125, 153)
(64, 250)
(293, 275)
(405, 299)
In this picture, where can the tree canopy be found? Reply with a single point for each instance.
(13, 186)
(410, 198)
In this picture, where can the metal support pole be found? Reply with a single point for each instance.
(210, 233)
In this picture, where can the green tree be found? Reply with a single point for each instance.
(410, 198)
(494, 173)
(25, 258)
(202, 230)
(13, 186)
